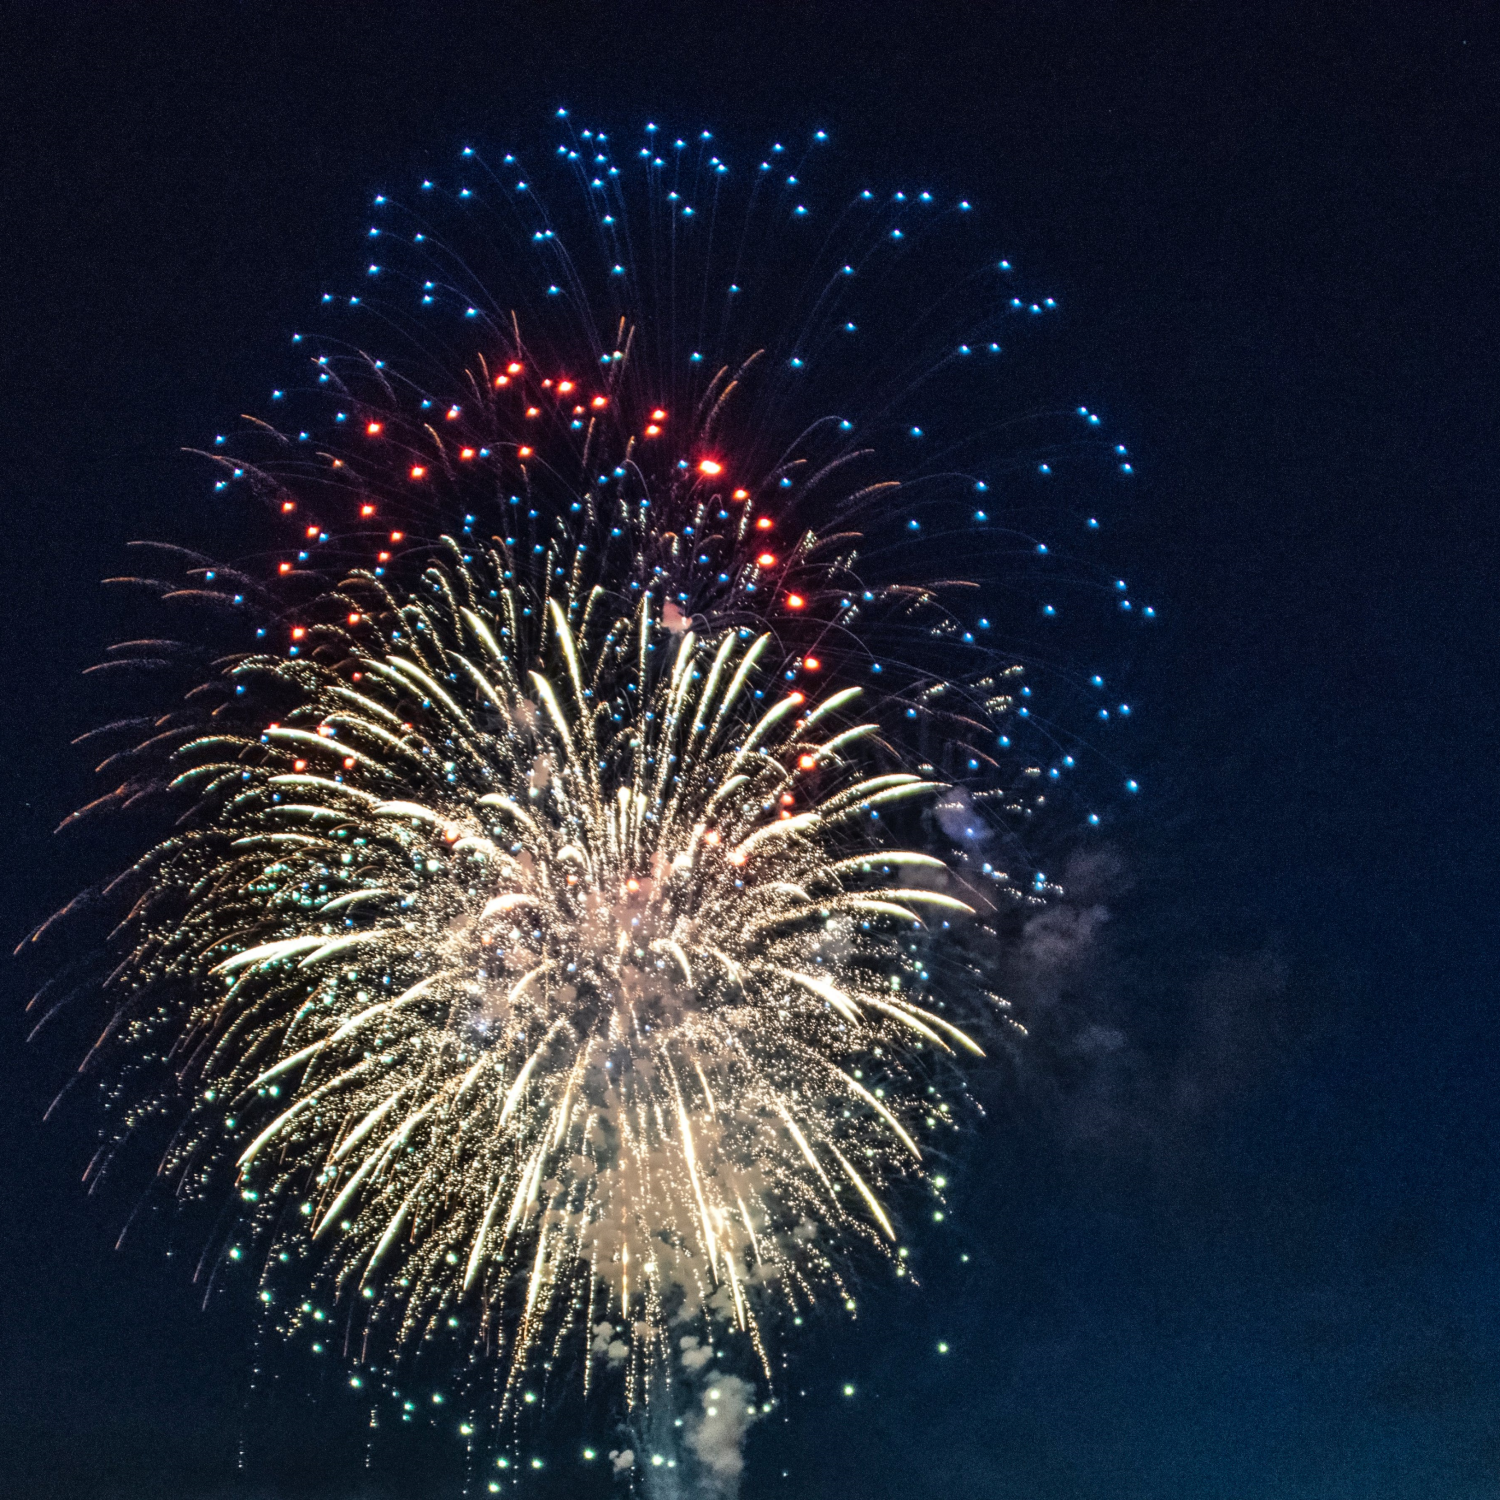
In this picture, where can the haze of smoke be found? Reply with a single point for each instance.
(716, 1435)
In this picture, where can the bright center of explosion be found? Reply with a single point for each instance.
(611, 1018)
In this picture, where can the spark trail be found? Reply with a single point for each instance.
(578, 908)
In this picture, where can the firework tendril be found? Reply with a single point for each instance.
(565, 927)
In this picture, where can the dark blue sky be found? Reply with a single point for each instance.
(1233, 1217)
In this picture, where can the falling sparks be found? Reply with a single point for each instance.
(533, 950)
(509, 964)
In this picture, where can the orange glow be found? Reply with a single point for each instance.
(564, 387)
(796, 698)
(632, 884)
(417, 471)
(312, 531)
(398, 536)
(299, 765)
(546, 385)
(298, 631)
(373, 429)
(812, 664)
(652, 430)
(382, 557)
(452, 413)
(711, 837)
(338, 463)
(452, 834)
(533, 411)
(765, 560)
(288, 506)
(787, 799)
(659, 415)
(807, 762)
(599, 402)
(367, 510)
(466, 453)
(795, 601)
(523, 452)
(740, 495)
(355, 618)
(710, 467)
(348, 762)
(737, 856)
(501, 380)
(764, 523)
(577, 411)
(284, 568)
(513, 368)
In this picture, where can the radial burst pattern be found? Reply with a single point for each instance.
(595, 808)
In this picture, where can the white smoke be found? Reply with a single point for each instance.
(700, 1453)
(694, 1354)
(608, 1343)
(716, 1435)
(958, 817)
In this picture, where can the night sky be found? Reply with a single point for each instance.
(1233, 1216)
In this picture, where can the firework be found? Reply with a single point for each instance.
(586, 871)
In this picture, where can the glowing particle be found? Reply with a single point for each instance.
(565, 883)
